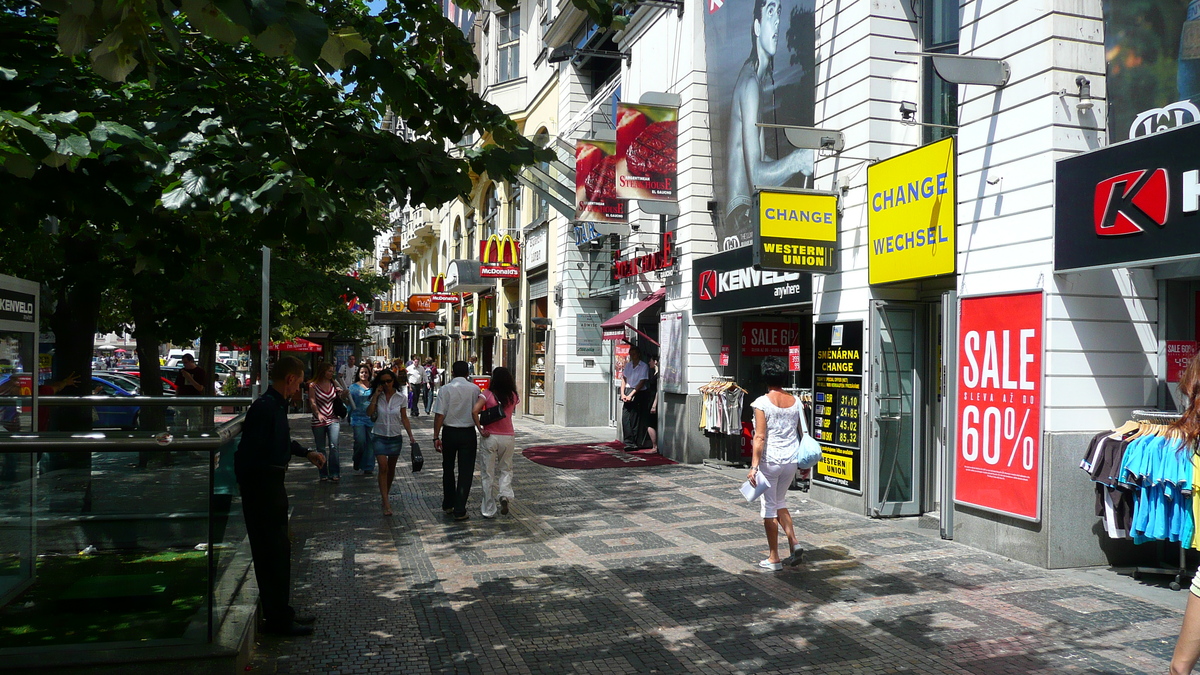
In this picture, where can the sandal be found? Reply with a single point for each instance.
(768, 565)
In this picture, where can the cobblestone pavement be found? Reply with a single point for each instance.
(654, 570)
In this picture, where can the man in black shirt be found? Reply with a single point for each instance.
(260, 463)
(190, 381)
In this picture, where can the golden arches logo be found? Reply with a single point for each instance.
(438, 284)
(497, 250)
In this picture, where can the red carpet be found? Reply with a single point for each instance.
(592, 456)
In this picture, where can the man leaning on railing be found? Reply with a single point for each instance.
(260, 463)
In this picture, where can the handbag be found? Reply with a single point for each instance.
(339, 407)
(418, 461)
(810, 449)
(491, 415)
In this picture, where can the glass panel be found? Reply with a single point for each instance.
(894, 415)
(17, 477)
(941, 27)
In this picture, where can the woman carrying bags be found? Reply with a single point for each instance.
(777, 419)
(389, 411)
(326, 422)
(498, 444)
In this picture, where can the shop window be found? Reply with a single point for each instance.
(514, 206)
(939, 33)
(508, 46)
(491, 213)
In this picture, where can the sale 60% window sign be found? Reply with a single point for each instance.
(998, 457)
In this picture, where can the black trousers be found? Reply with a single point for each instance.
(635, 415)
(458, 444)
(418, 393)
(265, 508)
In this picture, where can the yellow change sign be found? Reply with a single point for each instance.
(797, 232)
(911, 214)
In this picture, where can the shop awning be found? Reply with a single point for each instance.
(614, 327)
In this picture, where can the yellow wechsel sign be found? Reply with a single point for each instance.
(797, 232)
(911, 214)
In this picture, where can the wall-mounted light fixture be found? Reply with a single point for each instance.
(570, 52)
(1085, 94)
(908, 111)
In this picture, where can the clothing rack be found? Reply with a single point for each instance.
(1181, 571)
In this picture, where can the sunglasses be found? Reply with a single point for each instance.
(387, 382)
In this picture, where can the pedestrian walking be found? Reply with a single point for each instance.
(433, 378)
(416, 384)
(322, 392)
(454, 416)
(388, 409)
(497, 443)
(652, 394)
(189, 382)
(1187, 432)
(360, 421)
(348, 373)
(635, 412)
(776, 447)
(260, 464)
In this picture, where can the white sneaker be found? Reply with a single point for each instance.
(768, 565)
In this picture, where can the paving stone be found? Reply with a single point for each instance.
(648, 570)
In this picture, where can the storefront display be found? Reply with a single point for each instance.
(837, 403)
(672, 334)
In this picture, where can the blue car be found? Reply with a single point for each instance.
(123, 417)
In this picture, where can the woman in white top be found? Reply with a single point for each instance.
(389, 411)
(776, 447)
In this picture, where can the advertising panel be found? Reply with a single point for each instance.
(499, 257)
(1179, 352)
(912, 214)
(672, 335)
(588, 340)
(837, 398)
(663, 259)
(438, 294)
(535, 248)
(998, 458)
(647, 152)
(768, 338)
(761, 62)
(422, 302)
(796, 232)
(16, 306)
(794, 358)
(1136, 202)
(596, 183)
(729, 282)
(1153, 53)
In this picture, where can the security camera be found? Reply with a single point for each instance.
(908, 111)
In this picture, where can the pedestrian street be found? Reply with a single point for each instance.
(640, 570)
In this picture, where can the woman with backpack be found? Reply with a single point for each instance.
(498, 442)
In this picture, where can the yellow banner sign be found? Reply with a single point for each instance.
(797, 232)
(911, 214)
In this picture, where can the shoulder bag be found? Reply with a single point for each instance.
(810, 449)
(492, 414)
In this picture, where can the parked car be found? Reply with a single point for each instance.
(133, 377)
(123, 417)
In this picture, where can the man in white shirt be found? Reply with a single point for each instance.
(417, 380)
(455, 419)
(636, 409)
(347, 372)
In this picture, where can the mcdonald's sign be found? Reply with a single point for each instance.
(500, 257)
(438, 294)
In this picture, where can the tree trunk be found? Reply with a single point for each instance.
(74, 325)
(145, 331)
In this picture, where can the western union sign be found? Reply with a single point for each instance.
(797, 231)
(911, 214)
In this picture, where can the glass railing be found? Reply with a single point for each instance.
(113, 538)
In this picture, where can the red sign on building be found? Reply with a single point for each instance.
(768, 338)
(998, 449)
(438, 294)
(499, 257)
(794, 358)
(664, 259)
(724, 355)
(1179, 353)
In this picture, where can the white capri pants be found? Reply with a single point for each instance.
(780, 477)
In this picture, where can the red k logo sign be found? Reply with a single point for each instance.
(708, 285)
(1131, 202)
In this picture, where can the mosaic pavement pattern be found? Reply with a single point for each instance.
(653, 570)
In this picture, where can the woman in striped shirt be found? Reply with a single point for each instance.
(325, 425)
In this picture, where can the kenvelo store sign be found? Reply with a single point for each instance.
(728, 282)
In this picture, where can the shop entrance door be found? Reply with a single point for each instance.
(897, 392)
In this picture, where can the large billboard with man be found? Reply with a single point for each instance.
(761, 58)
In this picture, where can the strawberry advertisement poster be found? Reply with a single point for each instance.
(647, 152)
(596, 197)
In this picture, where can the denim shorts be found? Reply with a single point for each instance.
(389, 446)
